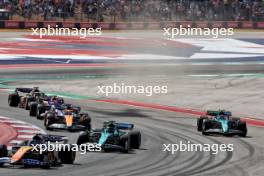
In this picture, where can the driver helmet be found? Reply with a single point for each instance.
(37, 139)
(54, 98)
(35, 89)
(111, 128)
(60, 101)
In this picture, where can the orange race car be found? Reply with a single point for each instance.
(67, 117)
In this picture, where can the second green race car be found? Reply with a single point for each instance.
(221, 122)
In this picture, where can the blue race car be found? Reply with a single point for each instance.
(41, 105)
(25, 154)
(221, 122)
(113, 136)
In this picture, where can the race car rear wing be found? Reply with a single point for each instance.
(125, 126)
(72, 107)
(216, 113)
(24, 90)
(121, 126)
(51, 138)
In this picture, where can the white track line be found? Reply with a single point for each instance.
(21, 126)
(25, 136)
(15, 141)
(28, 131)
(12, 121)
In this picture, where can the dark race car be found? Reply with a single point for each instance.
(24, 154)
(67, 117)
(40, 106)
(221, 122)
(113, 136)
(22, 97)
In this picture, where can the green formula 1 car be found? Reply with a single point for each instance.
(221, 122)
(113, 136)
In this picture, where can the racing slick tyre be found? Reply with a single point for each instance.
(135, 139)
(46, 161)
(3, 152)
(242, 126)
(33, 109)
(40, 110)
(125, 143)
(27, 102)
(85, 120)
(13, 100)
(83, 138)
(200, 122)
(87, 123)
(86, 117)
(67, 157)
(205, 126)
(48, 121)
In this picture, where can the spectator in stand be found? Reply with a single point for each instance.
(137, 10)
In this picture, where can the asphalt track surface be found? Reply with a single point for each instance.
(158, 128)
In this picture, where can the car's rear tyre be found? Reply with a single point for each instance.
(83, 138)
(242, 126)
(46, 161)
(3, 152)
(135, 139)
(13, 100)
(40, 110)
(33, 109)
(87, 122)
(86, 116)
(205, 127)
(200, 122)
(27, 102)
(48, 121)
(67, 157)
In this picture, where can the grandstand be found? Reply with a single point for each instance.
(135, 10)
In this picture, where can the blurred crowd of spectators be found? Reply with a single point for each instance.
(136, 10)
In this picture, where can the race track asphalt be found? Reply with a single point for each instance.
(158, 128)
